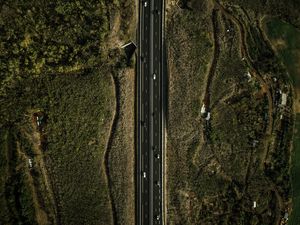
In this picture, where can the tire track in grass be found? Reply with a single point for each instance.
(211, 73)
(113, 127)
(264, 84)
(216, 54)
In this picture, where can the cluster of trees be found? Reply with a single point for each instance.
(15, 194)
(266, 62)
(41, 43)
(40, 36)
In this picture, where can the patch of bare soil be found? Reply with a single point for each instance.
(120, 150)
(42, 193)
(41, 214)
(114, 37)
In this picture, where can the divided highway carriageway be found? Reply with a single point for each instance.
(150, 114)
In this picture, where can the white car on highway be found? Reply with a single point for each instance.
(144, 174)
(145, 4)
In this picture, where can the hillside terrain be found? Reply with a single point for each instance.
(230, 114)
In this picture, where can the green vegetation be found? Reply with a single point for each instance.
(4, 214)
(15, 194)
(79, 113)
(285, 39)
(287, 10)
(295, 174)
(236, 154)
(61, 59)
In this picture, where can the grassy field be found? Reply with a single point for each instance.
(78, 127)
(219, 164)
(62, 60)
(285, 38)
(121, 151)
(183, 60)
(15, 191)
(295, 174)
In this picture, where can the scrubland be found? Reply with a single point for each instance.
(61, 69)
(229, 131)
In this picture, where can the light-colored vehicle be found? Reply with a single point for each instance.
(144, 174)
(156, 11)
(157, 183)
(157, 156)
(145, 4)
(154, 76)
(157, 217)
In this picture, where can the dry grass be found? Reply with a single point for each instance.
(122, 150)
(186, 78)
(212, 167)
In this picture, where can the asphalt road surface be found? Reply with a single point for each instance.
(150, 113)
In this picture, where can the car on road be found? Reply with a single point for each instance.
(154, 76)
(157, 183)
(156, 11)
(157, 217)
(157, 156)
(144, 174)
(145, 4)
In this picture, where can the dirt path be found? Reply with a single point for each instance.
(265, 89)
(109, 145)
(211, 74)
(212, 69)
(35, 138)
(264, 85)
(280, 202)
(41, 216)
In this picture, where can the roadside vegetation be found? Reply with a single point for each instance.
(59, 64)
(230, 117)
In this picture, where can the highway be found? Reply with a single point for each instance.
(150, 113)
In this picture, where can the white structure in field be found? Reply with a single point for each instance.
(286, 216)
(283, 99)
(254, 204)
(203, 109)
(208, 116)
(30, 162)
(249, 76)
